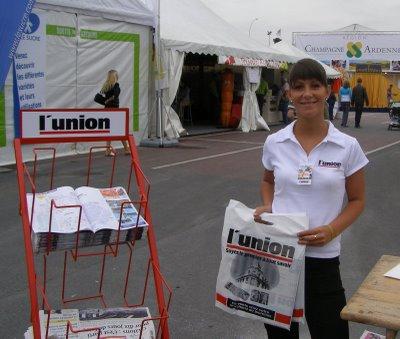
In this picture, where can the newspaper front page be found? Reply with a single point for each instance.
(122, 323)
(261, 265)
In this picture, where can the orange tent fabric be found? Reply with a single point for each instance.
(376, 85)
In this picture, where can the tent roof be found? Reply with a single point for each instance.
(354, 28)
(190, 26)
(133, 11)
(284, 47)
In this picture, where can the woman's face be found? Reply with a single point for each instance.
(308, 97)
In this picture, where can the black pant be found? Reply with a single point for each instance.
(285, 108)
(260, 100)
(330, 110)
(324, 299)
(358, 110)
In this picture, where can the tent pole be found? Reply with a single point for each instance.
(159, 141)
(160, 125)
(159, 91)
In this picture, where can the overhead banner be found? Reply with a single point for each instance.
(346, 50)
(13, 18)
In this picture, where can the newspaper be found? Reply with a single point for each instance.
(261, 265)
(123, 323)
(371, 335)
(99, 221)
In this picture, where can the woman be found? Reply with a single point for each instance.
(334, 162)
(111, 91)
(344, 99)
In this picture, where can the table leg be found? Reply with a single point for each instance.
(390, 334)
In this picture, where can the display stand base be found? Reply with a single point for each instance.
(156, 142)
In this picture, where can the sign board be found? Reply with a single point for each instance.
(230, 60)
(351, 48)
(74, 123)
(30, 63)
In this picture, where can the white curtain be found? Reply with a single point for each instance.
(251, 118)
(174, 64)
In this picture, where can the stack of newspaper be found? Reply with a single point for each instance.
(113, 322)
(99, 221)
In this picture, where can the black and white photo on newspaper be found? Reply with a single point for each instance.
(121, 322)
(261, 275)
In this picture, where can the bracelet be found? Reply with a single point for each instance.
(331, 230)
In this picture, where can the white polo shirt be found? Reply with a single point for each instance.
(335, 158)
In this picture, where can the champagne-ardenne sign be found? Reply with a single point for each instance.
(67, 123)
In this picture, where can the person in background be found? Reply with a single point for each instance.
(214, 97)
(389, 95)
(331, 102)
(284, 101)
(358, 98)
(111, 91)
(291, 112)
(312, 144)
(345, 99)
(261, 92)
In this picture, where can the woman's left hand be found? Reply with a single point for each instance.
(318, 236)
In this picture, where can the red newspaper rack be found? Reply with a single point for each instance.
(57, 126)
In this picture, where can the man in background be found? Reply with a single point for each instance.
(284, 101)
(261, 92)
(358, 98)
(389, 95)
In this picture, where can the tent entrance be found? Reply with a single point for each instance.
(198, 100)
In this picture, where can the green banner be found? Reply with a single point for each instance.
(60, 30)
(2, 120)
(123, 37)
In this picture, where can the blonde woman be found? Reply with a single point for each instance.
(111, 91)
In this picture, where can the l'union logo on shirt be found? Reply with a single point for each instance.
(329, 164)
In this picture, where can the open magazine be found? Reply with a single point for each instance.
(261, 275)
(99, 220)
(122, 323)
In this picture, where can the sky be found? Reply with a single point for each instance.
(305, 15)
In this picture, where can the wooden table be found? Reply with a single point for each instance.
(377, 300)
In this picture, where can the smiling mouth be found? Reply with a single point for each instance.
(308, 103)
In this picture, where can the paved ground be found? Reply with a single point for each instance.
(191, 186)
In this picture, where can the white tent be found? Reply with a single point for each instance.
(189, 26)
(80, 40)
(354, 28)
(133, 11)
(286, 48)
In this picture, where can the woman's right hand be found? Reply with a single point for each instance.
(260, 210)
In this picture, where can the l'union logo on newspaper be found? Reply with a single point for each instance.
(64, 123)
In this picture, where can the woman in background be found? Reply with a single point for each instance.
(345, 99)
(111, 91)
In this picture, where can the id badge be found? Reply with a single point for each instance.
(304, 175)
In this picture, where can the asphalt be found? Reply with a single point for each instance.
(190, 187)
